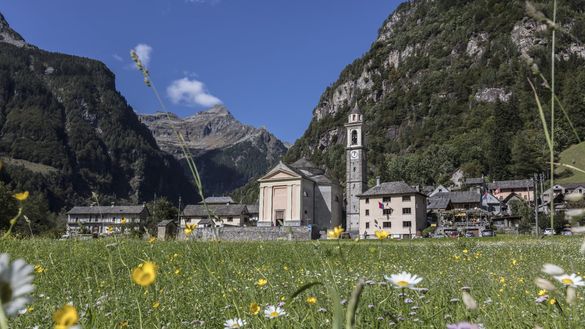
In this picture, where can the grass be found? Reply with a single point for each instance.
(216, 281)
(574, 156)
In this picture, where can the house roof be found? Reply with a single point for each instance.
(218, 200)
(460, 196)
(390, 188)
(438, 203)
(474, 181)
(215, 210)
(428, 189)
(572, 186)
(253, 208)
(123, 210)
(518, 183)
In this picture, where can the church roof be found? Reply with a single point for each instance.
(355, 110)
(303, 163)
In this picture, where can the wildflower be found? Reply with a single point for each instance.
(273, 312)
(21, 196)
(469, 302)
(404, 280)
(381, 234)
(15, 284)
(189, 228)
(465, 251)
(322, 310)
(261, 282)
(335, 233)
(109, 229)
(234, 323)
(552, 269)
(254, 309)
(514, 262)
(145, 274)
(123, 221)
(40, 269)
(544, 284)
(66, 317)
(542, 292)
(541, 299)
(156, 305)
(152, 240)
(552, 301)
(311, 300)
(572, 280)
(463, 325)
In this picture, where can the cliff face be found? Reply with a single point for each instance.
(66, 131)
(227, 152)
(444, 86)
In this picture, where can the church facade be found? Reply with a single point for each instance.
(299, 194)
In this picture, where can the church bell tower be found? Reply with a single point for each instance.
(356, 180)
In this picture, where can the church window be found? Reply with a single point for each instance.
(354, 137)
(367, 200)
(367, 212)
(353, 169)
(367, 225)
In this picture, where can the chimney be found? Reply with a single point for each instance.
(378, 181)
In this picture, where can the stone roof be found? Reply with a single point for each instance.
(438, 203)
(355, 110)
(572, 186)
(218, 200)
(303, 163)
(509, 184)
(215, 210)
(390, 188)
(253, 208)
(123, 210)
(474, 181)
(460, 196)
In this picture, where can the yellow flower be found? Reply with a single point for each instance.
(261, 282)
(40, 269)
(145, 274)
(152, 240)
(514, 262)
(178, 271)
(541, 292)
(123, 221)
(123, 324)
(189, 228)
(254, 309)
(465, 251)
(21, 196)
(335, 233)
(552, 301)
(381, 234)
(156, 305)
(311, 300)
(65, 317)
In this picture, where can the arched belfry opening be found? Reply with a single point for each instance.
(354, 137)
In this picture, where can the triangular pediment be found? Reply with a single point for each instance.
(280, 172)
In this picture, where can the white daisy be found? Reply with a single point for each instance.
(273, 312)
(15, 284)
(234, 323)
(403, 280)
(572, 280)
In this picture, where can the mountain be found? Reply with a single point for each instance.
(228, 153)
(445, 87)
(65, 131)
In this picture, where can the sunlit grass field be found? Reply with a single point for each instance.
(202, 284)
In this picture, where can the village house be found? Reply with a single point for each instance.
(299, 194)
(104, 219)
(218, 200)
(215, 215)
(562, 189)
(394, 207)
(522, 187)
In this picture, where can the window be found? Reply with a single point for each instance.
(367, 212)
(387, 224)
(230, 219)
(386, 199)
(406, 211)
(354, 137)
(367, 225)
(407, 224)
(406, 198)
(367, 200)
(387, 211)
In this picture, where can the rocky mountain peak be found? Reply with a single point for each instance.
(8, 35)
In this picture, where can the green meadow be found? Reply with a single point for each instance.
(203, 284)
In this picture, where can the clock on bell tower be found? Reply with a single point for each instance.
(356, 180)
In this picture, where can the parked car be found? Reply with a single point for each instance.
(567, 231)
(549, 231)
(488, 233)
(469, 234)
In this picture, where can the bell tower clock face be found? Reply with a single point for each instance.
(354, 154)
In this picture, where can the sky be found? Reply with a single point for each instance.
(267, 61)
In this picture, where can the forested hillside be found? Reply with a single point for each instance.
(445, 86)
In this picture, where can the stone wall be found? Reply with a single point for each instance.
(298, 233)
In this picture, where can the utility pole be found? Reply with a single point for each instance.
(536, 179)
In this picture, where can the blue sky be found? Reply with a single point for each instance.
(268, 61)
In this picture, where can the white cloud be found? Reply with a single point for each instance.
(191, 92)
(143, 51)
(118, 57)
